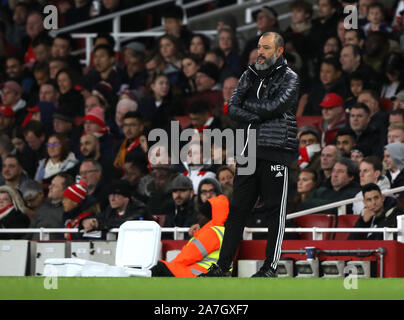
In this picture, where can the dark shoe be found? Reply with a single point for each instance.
(265, 273)
(215, 271)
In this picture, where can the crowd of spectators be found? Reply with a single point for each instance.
(74, 147)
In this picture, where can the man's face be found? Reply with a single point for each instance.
(20, 15)
(68, 204)
(226, 178)
(56, 189)
(60, 48)
(181, 197)
(33, 141)
(88, 145)
(373, 200)
(339, 176)
(42, 53)
(131, 173)
(203, 82)
(375, 16)
(41, 77)
(34, 25)
(228, 87)
(62, 126)
(90, 174)
(5, 122)
(102, 61)
(299, 15)
(351, 37)
(395, 118)
(332, 114)
(358, 119)
(347, 59)
(328, 74)
(345, 144)
(132, 128)
(356, 86)
(363, 7)
(324, 9)
(160, 178)
(367, 99)
(34, 201)
(207, 191)
(367, 173)
(328, 157)
(10, 97)
(307, 139)
(91, 102)
(395, 135)
(48, 93)
(110, 4)
(267, 50)
(13, 68)
(54, 67)
(198, 119)
(121, 110)
(264, 22)
(388, 161)
(118, 201)
(172, 26)
(11, 169)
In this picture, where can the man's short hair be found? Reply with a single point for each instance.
(44, 39)
(399, 112)
(52, 83)
(361, 106)
(372, 93)
(360, 34)
(41, 67)
(36, 127)
(312, 131)
(106, 36)
(346, 132)
(352, 168)
(95, 163)
(199, 107)
(375, 162)
(68, 179)
(133, 114)
(13, 156)
(304, 5)
(67, 37)
(370, 187)
(105, 47)
(333, 61)
(397, 125)
(173, 11)
(279, 42)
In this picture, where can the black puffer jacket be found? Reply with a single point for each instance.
(267, 101)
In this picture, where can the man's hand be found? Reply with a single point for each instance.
(193, 228)
(143, 143)
(367, 215)
(89, 224)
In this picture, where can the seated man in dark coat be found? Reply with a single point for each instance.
(380, 211)
(122, 207)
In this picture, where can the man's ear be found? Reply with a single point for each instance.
(279, 51)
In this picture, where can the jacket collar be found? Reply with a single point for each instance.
(279, 63)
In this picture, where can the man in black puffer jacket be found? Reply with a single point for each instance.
(265, 100)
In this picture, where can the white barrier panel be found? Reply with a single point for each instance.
(13, 257)
(45, 250)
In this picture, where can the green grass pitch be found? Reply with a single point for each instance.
(16, 288)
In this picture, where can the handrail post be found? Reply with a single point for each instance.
(89, 46)
(400, 226)
(116, 30)
(342, 210)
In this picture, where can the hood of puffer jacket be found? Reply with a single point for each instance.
(220, 210)
(396, 150)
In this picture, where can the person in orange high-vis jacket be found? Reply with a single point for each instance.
(203, 249)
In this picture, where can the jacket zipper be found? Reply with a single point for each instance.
(246, 143)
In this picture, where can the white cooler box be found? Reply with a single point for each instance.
(137, 251)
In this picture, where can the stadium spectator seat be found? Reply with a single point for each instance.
(308, 120)
(345, 221)
(160, 219)
(316, 220)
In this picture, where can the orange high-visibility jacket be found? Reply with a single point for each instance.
(205, 241)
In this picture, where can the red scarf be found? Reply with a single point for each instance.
(6, 210)
(74, 223)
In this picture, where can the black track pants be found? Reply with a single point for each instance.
(270, 182)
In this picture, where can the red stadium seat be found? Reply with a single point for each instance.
(184, 121)
(308, 120)
(315, 220)
(345, 221)
(160, 219)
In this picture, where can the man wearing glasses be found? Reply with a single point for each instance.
(134, 143)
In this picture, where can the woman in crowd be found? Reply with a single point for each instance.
(12, 212)
(70, 96)
(227, 42)
(190, 66)
(200, 44)
(58, 159)
(308, 181)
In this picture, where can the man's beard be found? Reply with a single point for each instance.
(90, 155)
(267, 63)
